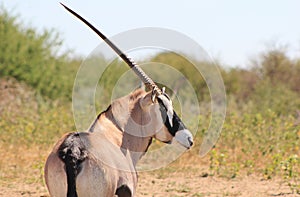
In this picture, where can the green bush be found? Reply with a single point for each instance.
(33, 58)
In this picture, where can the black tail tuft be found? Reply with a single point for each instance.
(72, 152)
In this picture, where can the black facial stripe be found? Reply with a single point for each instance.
(177, 123)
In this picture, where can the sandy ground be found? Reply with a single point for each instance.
(177, 185)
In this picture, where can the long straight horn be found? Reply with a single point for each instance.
(136, 68)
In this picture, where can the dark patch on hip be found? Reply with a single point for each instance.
(73, 152)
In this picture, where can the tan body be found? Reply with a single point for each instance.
(115, 142)
(97, 177)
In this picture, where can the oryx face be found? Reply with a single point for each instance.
(164, 122)
(173, 126)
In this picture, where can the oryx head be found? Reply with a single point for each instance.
(165, 123)
(157, 102)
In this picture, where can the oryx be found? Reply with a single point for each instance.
(101, 161)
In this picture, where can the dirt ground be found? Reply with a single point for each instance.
(177, 185)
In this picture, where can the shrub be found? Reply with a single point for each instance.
(33, 58)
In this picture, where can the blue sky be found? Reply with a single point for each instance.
(232, 31)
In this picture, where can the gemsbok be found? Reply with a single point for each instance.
(101, 161)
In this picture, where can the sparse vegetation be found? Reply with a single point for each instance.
(261, 134)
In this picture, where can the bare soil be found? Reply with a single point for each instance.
(176, 185)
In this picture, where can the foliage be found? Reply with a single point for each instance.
(28, 119)
(187, 69)
(33, 58)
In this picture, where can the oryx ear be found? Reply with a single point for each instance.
(146, 101)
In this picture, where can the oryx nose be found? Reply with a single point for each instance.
(190, 141)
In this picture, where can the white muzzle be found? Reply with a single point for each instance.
(185, 138)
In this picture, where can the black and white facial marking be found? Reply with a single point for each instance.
(174, 125)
